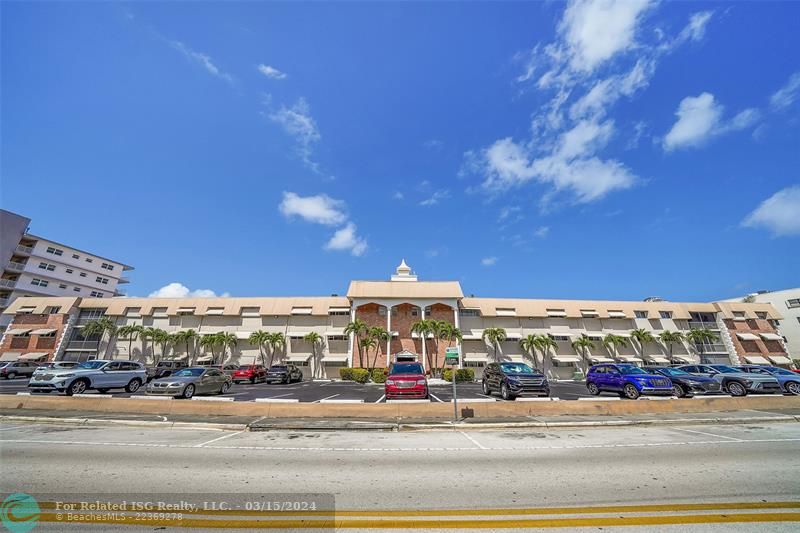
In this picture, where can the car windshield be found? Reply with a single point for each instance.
(776, 370)
(406, 368)
(726, 369)
(630, 370)
(517, 368)
(189, 372)
(92, 365)
(672, 372)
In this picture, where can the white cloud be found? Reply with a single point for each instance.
(271, 72)
(398, 195)
(780, 213)
(786, 95)
(320, 209)
(700, 118)
(507, 211)
(346, 238)
(435, 198)
(179, 290)
(298, 122)
(696, 29)
(202, 60)
(542, 231)
(489, 261)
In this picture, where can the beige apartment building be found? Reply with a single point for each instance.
(746, 332)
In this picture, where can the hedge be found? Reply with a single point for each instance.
(359, 375)
(462, 374)
(378, 375)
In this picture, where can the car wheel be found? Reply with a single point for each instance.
(505, 393)
(11, 375)
(631, 392)
(133, 386)
(678, 390)
(253, 380)
(188, 391)
(594, 390)
(300, 378)
(225, 388)
(102, 391)
(78, 386)
(737, 389)
(486, 390)
(793, 387)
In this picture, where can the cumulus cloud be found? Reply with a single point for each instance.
(319, 209)
(786, 95)
(780, 213)
(297, 122)
(346, 239)
(271, 72)
(179, 290)
(489, 261)
(202, 60)
(700, 118)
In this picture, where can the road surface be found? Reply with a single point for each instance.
(518, 480)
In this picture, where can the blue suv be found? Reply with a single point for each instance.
(629, 381)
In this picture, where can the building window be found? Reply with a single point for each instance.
(341, 313)
(89, 260)
(70, 271)
(469, 312)
(77, 289)
(76, 256)
(415, 311)
(104, 281)
(52, 310)
(159, 312)
(134, 312)
(381, 310)
(54, 251)
(47, 266)
(40, 282)
(738, 314)
(107, 266)
(665, 314)
(761, 315)
(62, 285)
(793, 303)
(640, 314)
(96, 294)
(83, 274)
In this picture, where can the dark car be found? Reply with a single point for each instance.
(164, 369)
(287, 373)
(734, 381)
(251, 373)
(513, 379)
(17, 369)
(790, 381)
(406, 381)
(629, 381)
(685, 384)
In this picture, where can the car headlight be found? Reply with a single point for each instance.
(390, 382)
(62, 376)
(421, 382)
(174, 385)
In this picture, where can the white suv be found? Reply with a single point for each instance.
(96, 374)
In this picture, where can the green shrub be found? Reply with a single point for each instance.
(346, 374)
(378, 375)
(462, 375)
(360, 375)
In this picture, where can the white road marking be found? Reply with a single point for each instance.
(436, 398)
(17, 427)
(709, 434)
(279, 395)
(379, 400)
(490, 397)
(328, 398)
(229, 435)
(473, 441)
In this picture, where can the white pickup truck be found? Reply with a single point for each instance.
(97, 374)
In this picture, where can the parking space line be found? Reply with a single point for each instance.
(278, 396)
(709, 434)
(229, 435)
(473, 441)
(490, 397)
(379, 400)
(17, 427)
(436, 398)
(328, 398)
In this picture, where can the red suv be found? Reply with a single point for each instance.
(251, 373)
(406, 380)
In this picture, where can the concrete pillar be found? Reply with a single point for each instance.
(424, 339)
(457, 323)
(389, 329)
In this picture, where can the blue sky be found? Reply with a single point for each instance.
(594, 149)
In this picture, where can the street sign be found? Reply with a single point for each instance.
(451, 355)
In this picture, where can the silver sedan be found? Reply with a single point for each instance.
(187, 382)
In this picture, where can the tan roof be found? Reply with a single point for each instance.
(41, 303)
(404, 289)
(573, 308)
(749, 309)
(230, 306)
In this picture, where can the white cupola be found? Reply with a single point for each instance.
(403, 273)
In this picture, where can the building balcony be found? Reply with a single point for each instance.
(8, 283)
(702, 325)
(124, 280)
(89, 346)
(13, 266)
(711, 348)
(4, 302)
(22, 249)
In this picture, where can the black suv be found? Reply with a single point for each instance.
(286, 373)
(164, 369)
(685, 384)
(514, 379)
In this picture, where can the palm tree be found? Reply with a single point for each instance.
(449, 333)
(495, 336)
(581, 345)
(545, 343)
(701, 336)
(423, 328)
(315, 339)
(260, 338)
(381, 336)
(643, 337)
(210, 341)
(276, 342)
(226, 340)
(149, 335)
(161, 338)
(669, 338)
(358, 328)
(528, 344)
(435, 328)
(131, 333)
(100, 328)
(365, 344)
(187, 337)
(613, 343)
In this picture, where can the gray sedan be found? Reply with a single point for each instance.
(187, 382)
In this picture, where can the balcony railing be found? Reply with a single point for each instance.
(4, 302)
(21, 248)
(9, 283)
(16, 267)
(711, 348)
(82, 321)
(83, 345)
(702, 325)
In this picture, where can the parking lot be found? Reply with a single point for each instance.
(317, 391)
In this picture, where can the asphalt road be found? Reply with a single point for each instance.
(517, 480)
(307, 391)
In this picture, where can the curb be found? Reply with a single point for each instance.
(129, 423)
